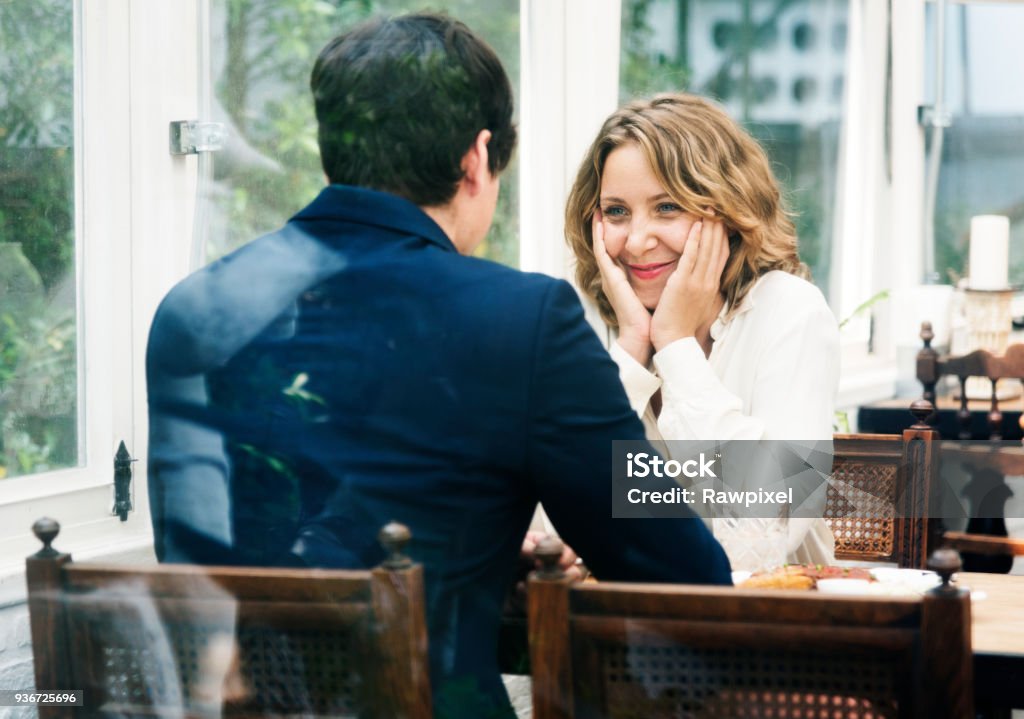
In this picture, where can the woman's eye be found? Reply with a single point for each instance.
(614, 211)
(669, 207)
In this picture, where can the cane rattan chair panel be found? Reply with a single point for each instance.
(668, 679)
(141, 660)
(876, 501)
(860, 507)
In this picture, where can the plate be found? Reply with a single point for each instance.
(917, 581)
(739, 577)
(844, 586)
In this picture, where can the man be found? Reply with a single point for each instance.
(360, 366)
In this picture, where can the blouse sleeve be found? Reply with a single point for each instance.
(639, 382)
(795, 362)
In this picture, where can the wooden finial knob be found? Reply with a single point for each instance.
(945, 563)
(927, 335)
(46, 530)
(394, 537)
(548, 552)
(922, 409)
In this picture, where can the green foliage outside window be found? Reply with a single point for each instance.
(38, 367)
(272, 166)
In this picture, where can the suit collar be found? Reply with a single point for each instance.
(370, 207)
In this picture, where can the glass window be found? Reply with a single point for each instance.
(982, 166)
(261, 55)
(39, 425)
(778, 67)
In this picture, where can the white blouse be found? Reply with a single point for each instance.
(773, 373)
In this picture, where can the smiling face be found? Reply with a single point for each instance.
(645, 230)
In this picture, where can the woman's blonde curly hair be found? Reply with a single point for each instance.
(704, 160)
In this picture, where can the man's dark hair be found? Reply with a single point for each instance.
(401, 100)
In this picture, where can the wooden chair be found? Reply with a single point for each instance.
(980, 363)
(986, 491)
(617, 651)
(877, 504)
(184, 640)
(984, 544)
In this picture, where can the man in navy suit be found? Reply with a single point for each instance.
(359, 366)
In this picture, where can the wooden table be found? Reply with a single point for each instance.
(997, 637)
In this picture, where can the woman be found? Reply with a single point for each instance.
(683, 242)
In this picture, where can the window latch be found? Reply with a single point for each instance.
(122, 483)
(190, 137)
(933, 116)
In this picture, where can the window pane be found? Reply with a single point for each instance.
(778, 67)
(261, 57)
(982, 167)
(38, 366)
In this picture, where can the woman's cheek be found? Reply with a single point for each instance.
(614, 240)
(678, 235)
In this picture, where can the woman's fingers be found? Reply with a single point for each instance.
(605, 263)
(718, 253)
(723, 256)
(691, 250)
(712, 254)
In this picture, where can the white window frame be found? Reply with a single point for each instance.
(133, 210)
(569, 59)
(880, 197)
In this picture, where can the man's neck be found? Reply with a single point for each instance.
(444, 216)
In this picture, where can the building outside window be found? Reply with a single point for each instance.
(982, 160)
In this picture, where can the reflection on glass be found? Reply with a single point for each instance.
(765, 61)
(261, 57)
(982, 168)
(38, 385)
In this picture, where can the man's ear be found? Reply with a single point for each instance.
(475, 164)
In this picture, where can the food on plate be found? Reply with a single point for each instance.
(802, 576)
(778, 580)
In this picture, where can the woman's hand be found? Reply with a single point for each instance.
(634, 319)
(693, 297)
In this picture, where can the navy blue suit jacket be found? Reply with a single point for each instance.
(353, 369)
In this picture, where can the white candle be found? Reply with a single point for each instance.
(990, 252)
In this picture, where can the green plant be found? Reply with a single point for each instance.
(864, 306)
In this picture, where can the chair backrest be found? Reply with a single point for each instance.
(984, 544)
(616, 650)
(877, 502)
(980, 363)
(987, 464)
(185, 640)
(987, 467)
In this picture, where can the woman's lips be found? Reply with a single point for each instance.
(651, 270)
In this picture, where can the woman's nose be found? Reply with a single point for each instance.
(640, 238)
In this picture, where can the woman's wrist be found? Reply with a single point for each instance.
(638, 348)
(661, 340)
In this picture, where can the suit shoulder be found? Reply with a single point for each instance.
(511, 284)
